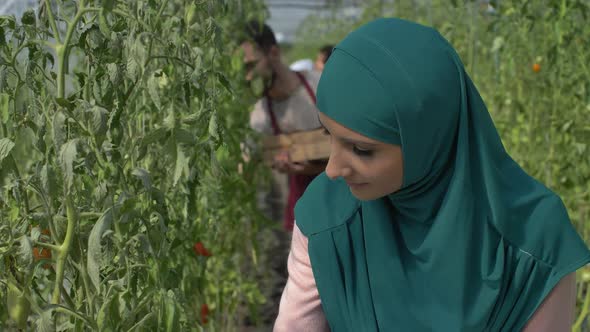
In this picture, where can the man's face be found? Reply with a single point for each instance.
(258, 67)
(319, 62)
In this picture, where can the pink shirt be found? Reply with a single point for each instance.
(301, 311)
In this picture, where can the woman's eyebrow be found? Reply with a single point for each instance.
(346, 139)
(356, 142)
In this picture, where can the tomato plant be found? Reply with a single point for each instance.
(120, 124)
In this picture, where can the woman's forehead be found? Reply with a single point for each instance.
(340, 130)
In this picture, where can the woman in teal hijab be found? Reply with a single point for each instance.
(422, 221)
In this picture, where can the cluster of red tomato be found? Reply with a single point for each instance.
(43, 253)
(200, 250)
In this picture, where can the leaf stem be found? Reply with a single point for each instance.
(64, 249)
(126, 15)
(171, 58)
(52, 22)
(162, 7)
(582, 317)
(63, 49)
(49, 246)
(16, 53)
(67, 297)
(20, 185)
(69, 311)
(86, 282)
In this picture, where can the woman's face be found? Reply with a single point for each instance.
(371, 168)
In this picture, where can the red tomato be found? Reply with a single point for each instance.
(200, 250)
(42, 253)
(204, 313)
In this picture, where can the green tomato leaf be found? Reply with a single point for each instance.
(44, 321)
(146, 319)
(132, 68)
(67, 156)
(581, 148)
(170, 119)
(497, 44)
(105, 314)
(99, 120)
(214, 126)
(4, 107)
(103, 24)
(223, 80)
(2, 37)
(30, 77)
(94, 259)
(194, 117)
(3, 85)
(184, 136)
(6, 146)
(40, 132)
(35, 233)
(48, 58)
(48, 180)
(114, 73)
(154, 136)
(144, 176)
(108, 5)
(153, 91)
(109, 315)
(9, 21)
(181, 164)
(25, 252)
(59, 131)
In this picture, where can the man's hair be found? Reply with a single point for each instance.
(261, 34)
(326, 50)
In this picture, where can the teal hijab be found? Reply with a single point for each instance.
(470, 242)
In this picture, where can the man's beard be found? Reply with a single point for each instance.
(260, 85)
(269, 82)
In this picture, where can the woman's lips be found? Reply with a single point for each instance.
(355, 185)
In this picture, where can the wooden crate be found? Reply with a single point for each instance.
(302, 146)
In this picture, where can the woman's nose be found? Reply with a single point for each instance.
(336, 167)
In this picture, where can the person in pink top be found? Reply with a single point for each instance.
(422, 221)
(301, 308)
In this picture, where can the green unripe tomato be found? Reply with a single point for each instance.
(18, 306)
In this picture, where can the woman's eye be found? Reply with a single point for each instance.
(361, 152)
